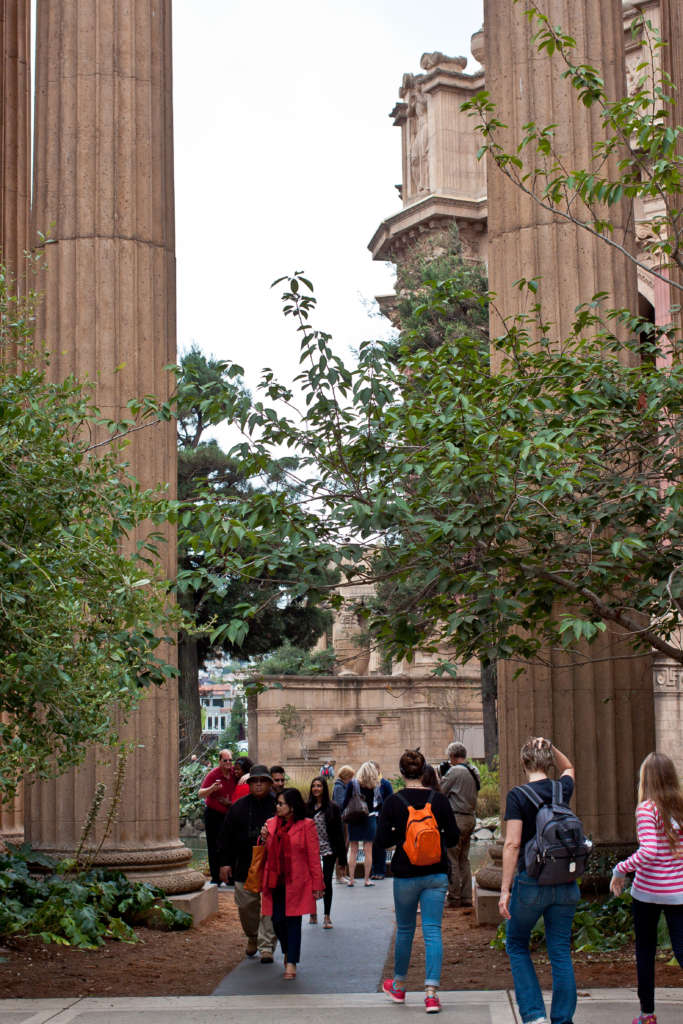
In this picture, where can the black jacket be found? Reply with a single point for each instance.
(240, 832)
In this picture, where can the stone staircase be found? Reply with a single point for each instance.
(361, 740)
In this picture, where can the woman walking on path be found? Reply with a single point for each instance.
(523, 900)
(292, 879)
(658, 864)
(366, 783)
(344, 776)
(417, 883)
(327, 819)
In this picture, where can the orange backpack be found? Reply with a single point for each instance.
(423, 838)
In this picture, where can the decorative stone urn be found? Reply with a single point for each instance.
(490, 874)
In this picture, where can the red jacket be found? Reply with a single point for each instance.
(307, 875)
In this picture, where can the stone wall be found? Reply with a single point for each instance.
(350, 719)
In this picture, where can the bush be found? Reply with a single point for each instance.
(295, 661)
(597, 927)
(191, 776)
(77, 909)
(488, 801)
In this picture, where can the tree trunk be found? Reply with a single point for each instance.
(189, 711)
(489, 696)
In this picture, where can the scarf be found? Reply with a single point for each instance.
(278, 868)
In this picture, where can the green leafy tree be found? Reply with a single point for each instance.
(538, 507)
(229, 611)
(289, 660)
(84, 609)
(236, 728)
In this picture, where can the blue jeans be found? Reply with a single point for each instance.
(557, 904)
(430, 892)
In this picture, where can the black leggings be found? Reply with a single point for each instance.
(329, 860)
(646, 918)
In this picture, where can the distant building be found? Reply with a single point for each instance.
(218, 688)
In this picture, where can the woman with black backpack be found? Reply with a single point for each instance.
(419, 822)
(523, 899)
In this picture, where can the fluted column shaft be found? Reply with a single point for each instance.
(600, 713)
(15, 131)
(671, 15)
(15, 179)
(524, 239)
(103, 189)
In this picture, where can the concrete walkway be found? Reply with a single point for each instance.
(600, 1006)
(347, 958)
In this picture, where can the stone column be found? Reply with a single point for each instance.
(103, 177)
(15, 177)
(12, 817)
(671, 15)
(600, 713)
(15, 140)
(524, 240)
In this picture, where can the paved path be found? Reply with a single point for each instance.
(347, 958)
(600, 1006)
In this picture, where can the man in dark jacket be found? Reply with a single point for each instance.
(239, 835)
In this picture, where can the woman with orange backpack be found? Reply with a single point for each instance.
(419, 822)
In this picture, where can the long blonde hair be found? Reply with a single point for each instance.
(659, 783)
(367, 775)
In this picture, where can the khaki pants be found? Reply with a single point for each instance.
(257, 927)
(460, 882)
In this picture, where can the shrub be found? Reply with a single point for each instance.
(191, 776)
(77, 909)
(488, 801)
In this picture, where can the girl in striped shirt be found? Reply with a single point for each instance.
(658, 864)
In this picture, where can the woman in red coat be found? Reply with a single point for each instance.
(292, 877)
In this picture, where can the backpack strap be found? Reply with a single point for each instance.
(404, 799)
(470, 769)
(532, 796)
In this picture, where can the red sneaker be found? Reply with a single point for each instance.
(432, 1004)
(397, 995)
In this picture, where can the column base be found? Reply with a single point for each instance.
(167, 866)
(13, 836)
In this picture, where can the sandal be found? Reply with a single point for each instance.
(369, 883)
(313, 919)
(289, 975)
(327, 923)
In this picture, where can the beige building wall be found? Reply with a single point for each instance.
(350, 719)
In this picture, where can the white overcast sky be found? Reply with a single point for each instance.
(286, 159)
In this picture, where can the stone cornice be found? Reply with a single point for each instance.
(434, 210)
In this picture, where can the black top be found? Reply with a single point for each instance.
(391, 830)
(240, 832)
(518, 807)
(367, 794)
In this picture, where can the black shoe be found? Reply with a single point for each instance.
(267, 960)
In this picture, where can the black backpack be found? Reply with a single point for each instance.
(559, 851)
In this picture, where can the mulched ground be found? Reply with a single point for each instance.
(470, 963)
(193, 962)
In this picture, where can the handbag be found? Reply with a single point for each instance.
(356, 811)
(254, 879)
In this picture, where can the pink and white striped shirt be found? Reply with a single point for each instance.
(659, 874)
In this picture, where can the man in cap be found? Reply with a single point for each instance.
(241, 830)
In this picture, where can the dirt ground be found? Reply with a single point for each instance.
(470, 963)
(193, 962)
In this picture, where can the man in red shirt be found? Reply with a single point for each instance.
(216, 791)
